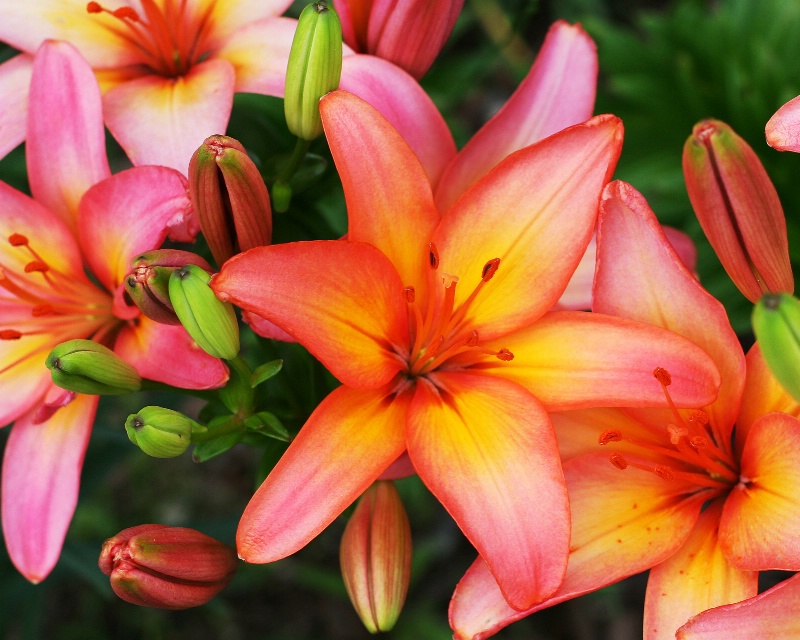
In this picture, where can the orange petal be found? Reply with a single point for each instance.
(351, 437)
(695, 578)
(341, 300)
(486, 449)
(761, 518)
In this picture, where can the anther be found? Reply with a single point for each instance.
(664, 472)
(124, 13)
(17, 240)
(94, 7)
(433, 256)
(662, 375)
(36, 265)
(10, 334)
(489, 269)
(41, 310)
(618, 461)
(505, 355)
(699, 416)
(699, 442)
(472, 340)
(409, 294)
(610, 436)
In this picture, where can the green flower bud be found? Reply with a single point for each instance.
(85, 366)
(211, 322)
(314, 69)
(161, 433)
(776, 323)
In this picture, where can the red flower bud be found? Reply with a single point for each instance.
(153, 565)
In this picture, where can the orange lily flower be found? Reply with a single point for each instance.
(703, 504)
(437, 326)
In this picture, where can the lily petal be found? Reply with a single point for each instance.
(783, 128)
(65, 148)
(41, 474)
(341, 300)
(558, 92)
(349, 440)
(759, 525)
(163, 120)
(695, 578)
(15, 78)
(486, 449)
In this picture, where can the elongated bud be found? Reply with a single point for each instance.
(84, 366)
(153, 565)
(230, 198)
(738, 208)
(160, 432)
(210, 322)
(314, 69)
(148, 282)
(375, 556)
(776, 323)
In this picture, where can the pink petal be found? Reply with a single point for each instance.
(163, 120)
(65, 148)
(265, 328)
(783, 128)
(558, 92)
(485, 447)
(15, 77)
(41, 475)
(351, 437)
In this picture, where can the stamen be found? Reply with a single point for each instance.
(10, 334)
(610, 436)
(42, 310)
(490, 268)
(433, 256)
(36, 266)
(472, 341)
(505, 355)
(618, 461)
(17, 240)
(663, 376)
(410, 295)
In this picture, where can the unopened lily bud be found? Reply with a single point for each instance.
(148, 282)
(153, 565)
(160, 432)
(230, 198)
(85, 366)
(776, 323)
(314, 69)
(375, 556)
(738, 208)
(209, 321)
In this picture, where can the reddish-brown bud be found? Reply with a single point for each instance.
(153, 565)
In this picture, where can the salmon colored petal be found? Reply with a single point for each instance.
(578, 431)
(575, 360)
(640, 277)
(163, 120)
(539, 233)
(406, 106)
(15, 78)
(695, 578)
(558, 92)
(352, 436)
(772, 614)
(761, 518)
(783, 128)
(341, 300)
(65, 148)
(41, 475)
(389, 202)
(167, 354)
(265, 328)
(130, 212)
(486, 449)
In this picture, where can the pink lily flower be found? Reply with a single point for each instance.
(702, 504)
(437, 326)
(81, 218)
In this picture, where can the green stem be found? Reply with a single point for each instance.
(300, 149)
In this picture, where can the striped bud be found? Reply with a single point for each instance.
(160, 432)
(85, 366)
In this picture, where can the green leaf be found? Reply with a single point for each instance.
(265, 371)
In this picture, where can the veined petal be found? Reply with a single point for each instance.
(695, 578)
(130, 212)
(15, 78)
(772, 614)
(558, 92)
(341, 300)
(640, 277)
(167, 354)
(761, 518)
(352, 436)
(574, 360)
(402, 101)
(177, 113)
(486, 449)
(65, 148)
(41, 475)
(539, 234)
(783, 128)
(578, 432)
(389, 202)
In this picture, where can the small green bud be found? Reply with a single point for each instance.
(161, 433)
(314, 69)
(776, 323)
(209, 321)
(85, 366)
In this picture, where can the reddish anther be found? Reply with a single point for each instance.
(41, 310)
(410, 294)
(664, 472)
(94, 7)
(610, 436)
(10, 334)
(489, 269)
(618, 461)
(505, 355)
(663, 376)
(17, 240)
(36, 265)
(433, 256)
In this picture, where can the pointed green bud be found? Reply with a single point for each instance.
(776, 323)
(210, 321)
(84, 366)
(230, 198)
(314, 69)
(160, 432)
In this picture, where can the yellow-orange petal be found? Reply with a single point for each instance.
(761, 520)
(486, 449)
